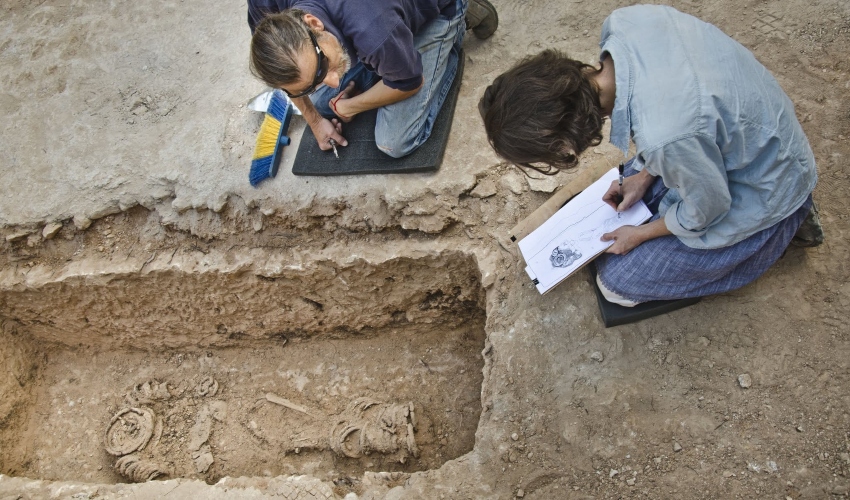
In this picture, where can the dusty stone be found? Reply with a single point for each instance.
(50, 230)
(514, 436)
(484, 189)
(514, 182)
(677, 447)
(17, 235)
(613, 473)
(82, 222)
(546, 184)
(597, 356)
(745, 381)
(203, 459)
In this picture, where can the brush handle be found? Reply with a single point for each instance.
(283, 139)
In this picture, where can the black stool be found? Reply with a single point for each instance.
(615, 314)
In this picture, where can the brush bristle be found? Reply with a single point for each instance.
(278, 105)
(267, 138)
(261, 169)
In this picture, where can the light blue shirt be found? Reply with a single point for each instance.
(709, 119)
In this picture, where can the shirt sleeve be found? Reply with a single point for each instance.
(258, 9)
(694, 167)
(396, 59)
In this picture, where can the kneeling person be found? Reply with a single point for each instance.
(338, 58)
(721, 159)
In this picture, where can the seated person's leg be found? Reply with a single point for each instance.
(612, 296)
(363, 80)
(404, 126)
(667, 269)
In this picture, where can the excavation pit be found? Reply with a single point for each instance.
(323, 368)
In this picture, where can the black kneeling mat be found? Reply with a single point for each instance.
(362, 156)
(615, 314)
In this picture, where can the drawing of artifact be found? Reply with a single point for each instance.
(365, 426)
(564, 255)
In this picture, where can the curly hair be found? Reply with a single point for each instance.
(543, 110)
(276, 42)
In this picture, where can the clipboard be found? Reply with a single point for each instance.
(571, 238)
(578, 184)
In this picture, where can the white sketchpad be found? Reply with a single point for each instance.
(572, 237)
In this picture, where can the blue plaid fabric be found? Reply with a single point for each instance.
(665, 268)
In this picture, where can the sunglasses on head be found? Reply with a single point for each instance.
(321, 69)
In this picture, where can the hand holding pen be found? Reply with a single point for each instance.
(626, 191)
(614, 196)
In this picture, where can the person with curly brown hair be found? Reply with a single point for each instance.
(721, 159)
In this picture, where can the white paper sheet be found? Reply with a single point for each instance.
(572, 237)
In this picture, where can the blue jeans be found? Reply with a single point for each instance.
(404, 126)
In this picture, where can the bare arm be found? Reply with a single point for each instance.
(379, 95)
(323, 129)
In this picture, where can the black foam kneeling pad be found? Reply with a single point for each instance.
(615, 314)
(362, 156)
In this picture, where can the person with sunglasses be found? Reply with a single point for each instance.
(720, 157)
(338, 58)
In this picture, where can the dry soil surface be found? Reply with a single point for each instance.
(138, 267)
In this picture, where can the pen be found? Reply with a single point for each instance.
(620, 168)
(333, 145)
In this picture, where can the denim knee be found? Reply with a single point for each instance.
(394, 145)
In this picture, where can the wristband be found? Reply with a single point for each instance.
(333, 105)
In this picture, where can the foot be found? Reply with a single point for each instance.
(481, 18)
(810, 233)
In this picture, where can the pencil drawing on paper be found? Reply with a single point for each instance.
(566, 253)
(573, 236)
(564, 256)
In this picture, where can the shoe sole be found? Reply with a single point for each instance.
(483, 35)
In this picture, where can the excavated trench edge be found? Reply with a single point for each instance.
(79, 308)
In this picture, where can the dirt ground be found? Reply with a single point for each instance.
(137, 269)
